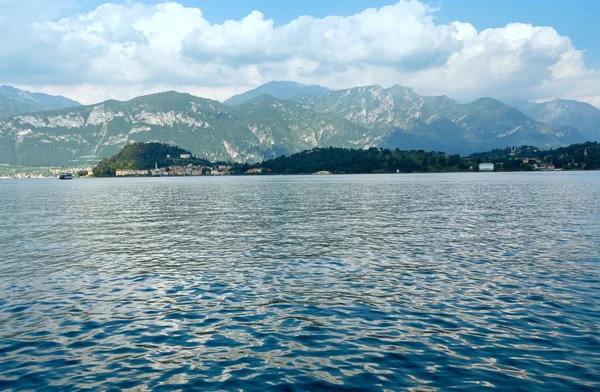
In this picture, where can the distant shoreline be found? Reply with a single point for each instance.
(309, 174)
(164, 160)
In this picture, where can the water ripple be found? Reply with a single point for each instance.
(419, 282)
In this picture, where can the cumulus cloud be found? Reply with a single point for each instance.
(119, 51)
(398, 35)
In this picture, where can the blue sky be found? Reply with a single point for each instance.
(92, 50)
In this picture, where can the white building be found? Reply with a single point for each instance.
(486, 167)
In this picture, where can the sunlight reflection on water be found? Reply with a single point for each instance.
(364, 282)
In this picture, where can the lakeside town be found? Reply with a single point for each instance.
(169, 171)
(8, 172)
(535, 163)
(189, 170)
(195, 168)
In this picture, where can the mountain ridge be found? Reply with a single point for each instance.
(14, 101)
(264, 126)
(423, 121)
(86, 134)
(277, 89)
(581, 115)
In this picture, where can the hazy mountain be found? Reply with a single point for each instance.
(404, 119)
(580, 115)
(264, 126)
(14, 101)
(282, 90)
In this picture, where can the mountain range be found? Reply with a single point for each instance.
(400, 118)
(255, 126)
(580, 115)
(14, 101)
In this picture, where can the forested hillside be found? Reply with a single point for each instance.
(140, 156)
(373, 160)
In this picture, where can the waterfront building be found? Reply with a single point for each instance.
(486, 166)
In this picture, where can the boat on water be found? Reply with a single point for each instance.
(65, 176)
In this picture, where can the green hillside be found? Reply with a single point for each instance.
(373, 160)
(144, 156)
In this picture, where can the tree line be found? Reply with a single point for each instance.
(372, 160)
(585, 156)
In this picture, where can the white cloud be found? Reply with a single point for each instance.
(119, 51)
(399, 35)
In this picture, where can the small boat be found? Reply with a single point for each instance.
(65, 176)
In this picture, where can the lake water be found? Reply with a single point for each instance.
(378, 282)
